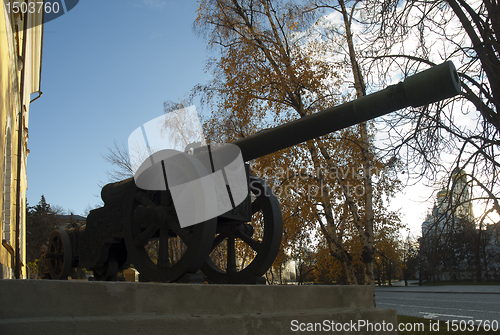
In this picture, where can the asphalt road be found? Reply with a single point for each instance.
(443, 302)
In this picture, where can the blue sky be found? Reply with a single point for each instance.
(107, 68)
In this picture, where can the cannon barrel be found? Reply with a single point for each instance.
(432, 85)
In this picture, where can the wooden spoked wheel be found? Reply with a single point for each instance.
(242, 251)
(157, 246)
(59, 255)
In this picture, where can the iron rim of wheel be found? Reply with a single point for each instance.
(265, 244)
(59, 254)
(195, 240)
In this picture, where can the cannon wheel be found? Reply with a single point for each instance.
(149, 224)
(59, 255)
(256, 244)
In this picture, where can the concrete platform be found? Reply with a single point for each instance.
(76, 307)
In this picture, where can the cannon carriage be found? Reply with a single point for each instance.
(141, 227)
(134, 221)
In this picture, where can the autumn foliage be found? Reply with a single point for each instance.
(270, 68)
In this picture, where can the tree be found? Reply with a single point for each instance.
(458, 133)
(305, 264)
(449, 249)
(365, 224)
(409, 258)
(119, 158)
(328, 269)
(269, 70)
(388, 253)
(41, 220)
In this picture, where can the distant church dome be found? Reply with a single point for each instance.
(459, 174)
(451, 204)
(442, 193)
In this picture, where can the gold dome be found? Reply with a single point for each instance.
(458, 173)
(443, 193)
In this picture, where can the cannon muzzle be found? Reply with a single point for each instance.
(432, 85)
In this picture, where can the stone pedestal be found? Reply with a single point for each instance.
(76, 307)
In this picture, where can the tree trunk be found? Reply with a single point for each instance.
(366, 232)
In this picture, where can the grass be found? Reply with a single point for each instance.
(439, 327)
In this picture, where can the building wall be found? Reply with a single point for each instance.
(17, 59)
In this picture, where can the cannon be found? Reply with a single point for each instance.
(140, 227)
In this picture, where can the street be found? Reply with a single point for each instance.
(453, 302)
